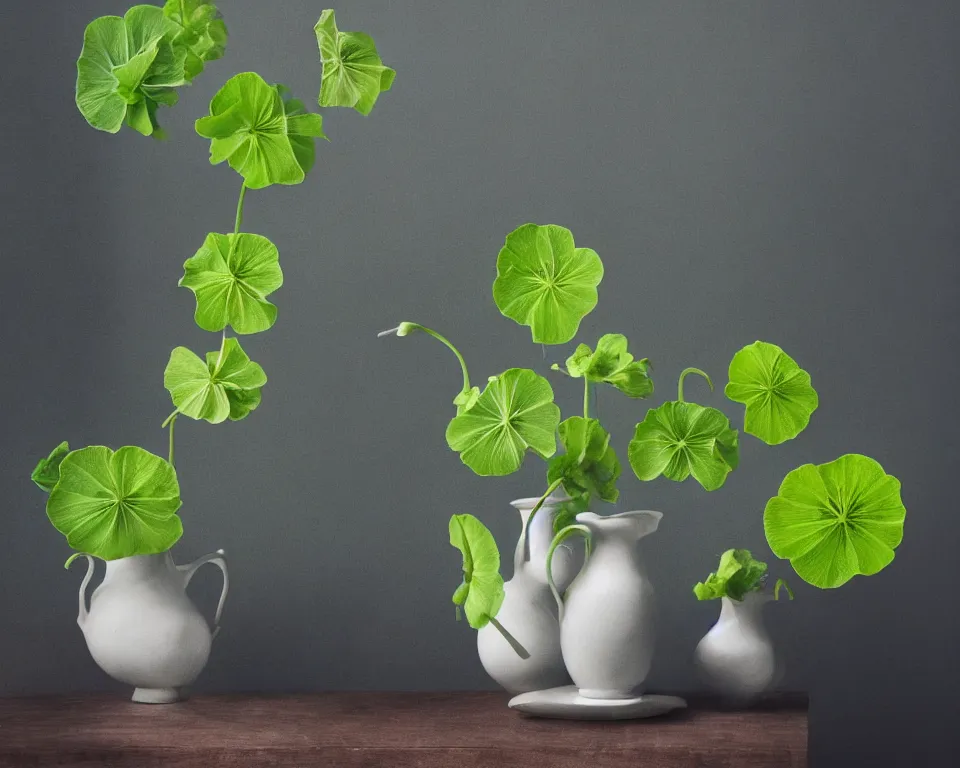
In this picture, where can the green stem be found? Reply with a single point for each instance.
(430, 332)
(522, 652)
(562, 536)
(686, 372)
(521, 552)
(223, 343)
(239, 219)
(173, 422)
(169, 418)
(586, 398)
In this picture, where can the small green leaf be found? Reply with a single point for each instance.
(680, 439)
(514, 412)
(612, 364)
(226, 386)
(836, 520)
(126, 68)
(116, 504)
(353, 74)
(231, 277)
(466, 399)
(776, 391)
(481, 592)
(265, 139)
(737, 574)
(589, 466)
(202, 35)
(47, 472)
(545, 282)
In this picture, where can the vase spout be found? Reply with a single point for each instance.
(627, 526)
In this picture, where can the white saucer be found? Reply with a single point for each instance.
(567, 704)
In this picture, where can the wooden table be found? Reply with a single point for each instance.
(386, 730)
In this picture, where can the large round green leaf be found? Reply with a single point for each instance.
(353, 73)
(514, 412)
(226, 386)
(116, 504)
(612, 364)
(481, 592)
(589, 466)
(127, 67)
(250, 127)
(545, 282)
(680, 439)
(775, 390)
(836, 520)
(231, 277)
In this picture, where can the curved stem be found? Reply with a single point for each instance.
(522, 652)
(776, 589)
(520, 555)
(173, 422)
(686, 372)
(586, 398)
(223, 343)
(169, 418)
(430, 332)
(562, 536)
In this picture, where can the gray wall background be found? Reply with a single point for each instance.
(784, 171)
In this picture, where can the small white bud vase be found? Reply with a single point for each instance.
(736, 657)
(143, 630)
(528, 611)
(607, 621)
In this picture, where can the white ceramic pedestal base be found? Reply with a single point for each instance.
(566, 703)
(158, 695)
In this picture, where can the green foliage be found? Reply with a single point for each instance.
(128, 66)
(481, 592)
(611, 364)
(116, 504)
(47, 472)
(226, 386)
(836, 520)
(353, 73)
(776, 391)
(545, 282)
(737, 574)
(264, 137)
(201, 34)
(515, 412)
(231, 277)
(589, 466)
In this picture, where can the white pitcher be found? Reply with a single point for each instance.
(607, 622)
(142, 629)
(528, 611)
(736, 657)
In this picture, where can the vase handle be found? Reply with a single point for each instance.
(563, 534)
(219, 559)
(83, 610)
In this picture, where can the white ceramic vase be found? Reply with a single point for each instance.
(607, 621)
(529, 612)
(143, 630)
(736, 657)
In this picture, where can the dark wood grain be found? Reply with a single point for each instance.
(386, 730)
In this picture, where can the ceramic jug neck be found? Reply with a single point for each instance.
(141, 566)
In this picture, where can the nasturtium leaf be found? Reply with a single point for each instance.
(737, 574)
(481, 592)
(589, 466)
(116, 504)
(612, 364)
(466, 399)
(681, 439)
(202, 34)
(353, 73)
(250, 127)
(231, 277)
(775, 390)
(226, 386)
(545, 282)
(47, 472)
(126, 68)
(837, 520)
(514, 412)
